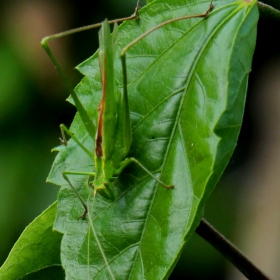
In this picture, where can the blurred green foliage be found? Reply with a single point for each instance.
(32, 106)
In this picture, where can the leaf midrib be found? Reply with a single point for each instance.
(195, 62)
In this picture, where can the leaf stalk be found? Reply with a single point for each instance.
(229, 251)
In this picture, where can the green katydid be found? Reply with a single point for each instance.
(113, 134)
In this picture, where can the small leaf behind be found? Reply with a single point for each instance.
(37, 249)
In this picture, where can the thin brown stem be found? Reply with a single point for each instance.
(229, 251)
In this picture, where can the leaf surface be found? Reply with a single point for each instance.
(52, 272)
(36, 252)
(187, 88)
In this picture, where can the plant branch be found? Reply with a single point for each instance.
(229, 251)
(269, 13)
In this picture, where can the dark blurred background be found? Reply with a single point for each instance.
(245, 206)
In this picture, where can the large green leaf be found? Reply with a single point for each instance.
(187, 87)
(36, 253)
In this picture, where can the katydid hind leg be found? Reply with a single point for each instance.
(124, 70)
(151, 174)
(127, 161)
(135, 41)
(124, 131)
